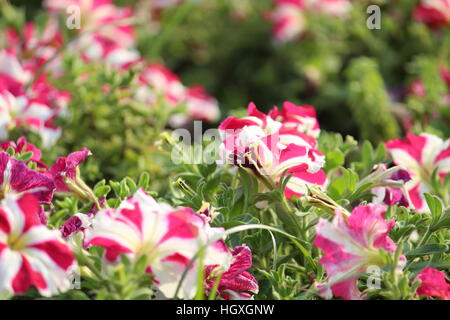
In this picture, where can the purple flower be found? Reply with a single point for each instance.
(16, 177)
(236, 282)
(65, 170)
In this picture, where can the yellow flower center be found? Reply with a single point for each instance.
(15, 242)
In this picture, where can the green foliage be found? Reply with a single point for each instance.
(370, 102)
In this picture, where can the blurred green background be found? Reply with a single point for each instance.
(355, 77)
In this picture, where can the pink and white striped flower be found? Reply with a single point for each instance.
(12, 75)
(156, 82)
(435, 13)
(36, 47)
(420, 155)
(168, 237)
(95, 49)
(107, 19)
(433, 284)
(201, 105)
(16, 178)
(30, 254)
(236, 283)
(289, 20)
(298, 122)
(19, 111)
(350, 246)
(36, 108)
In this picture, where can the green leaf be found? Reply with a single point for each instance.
(144, 180)
(435, 205)
(334, 159)
(101, 192)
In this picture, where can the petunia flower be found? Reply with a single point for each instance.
(16, 178)
(30, 254)
(36, 47)
(156, 82)
(35, 108)
(289, 20)
(96, 14)
(23, 146)
(434, 13)
(236, 283)
(66, 174)
(433, 284)
(95, 49)
(289, 17)
(389, 185)
(75, 227)
(169, 238)
(420, 155)
(12, 74)
(258, 142)
(200, 105)
(350, 246)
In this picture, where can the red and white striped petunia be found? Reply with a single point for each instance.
(168, 237)
(12, 75)
(270, 147)
(104, 16)
(36, 47)
(35, 108)
(434, 13)
(289, 18)
(350, 246)
(200, 105)
(300, 119)
(31, 254)
(96, 48)
(17, 178)
(157, 81)
(421, 155)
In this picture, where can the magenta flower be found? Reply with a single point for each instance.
(15, 177)
(433, 284)
(36, 47)
(420, 156)
(97, 13)
(65, 173)
(236, 283)
(23, 146)
(350, 246)
(434, 13)
(200, 105)
(30, 254)
(289, 15)
(270, 147)
(168, 237)
(156, 82)
(389, 185)
(37, 108)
